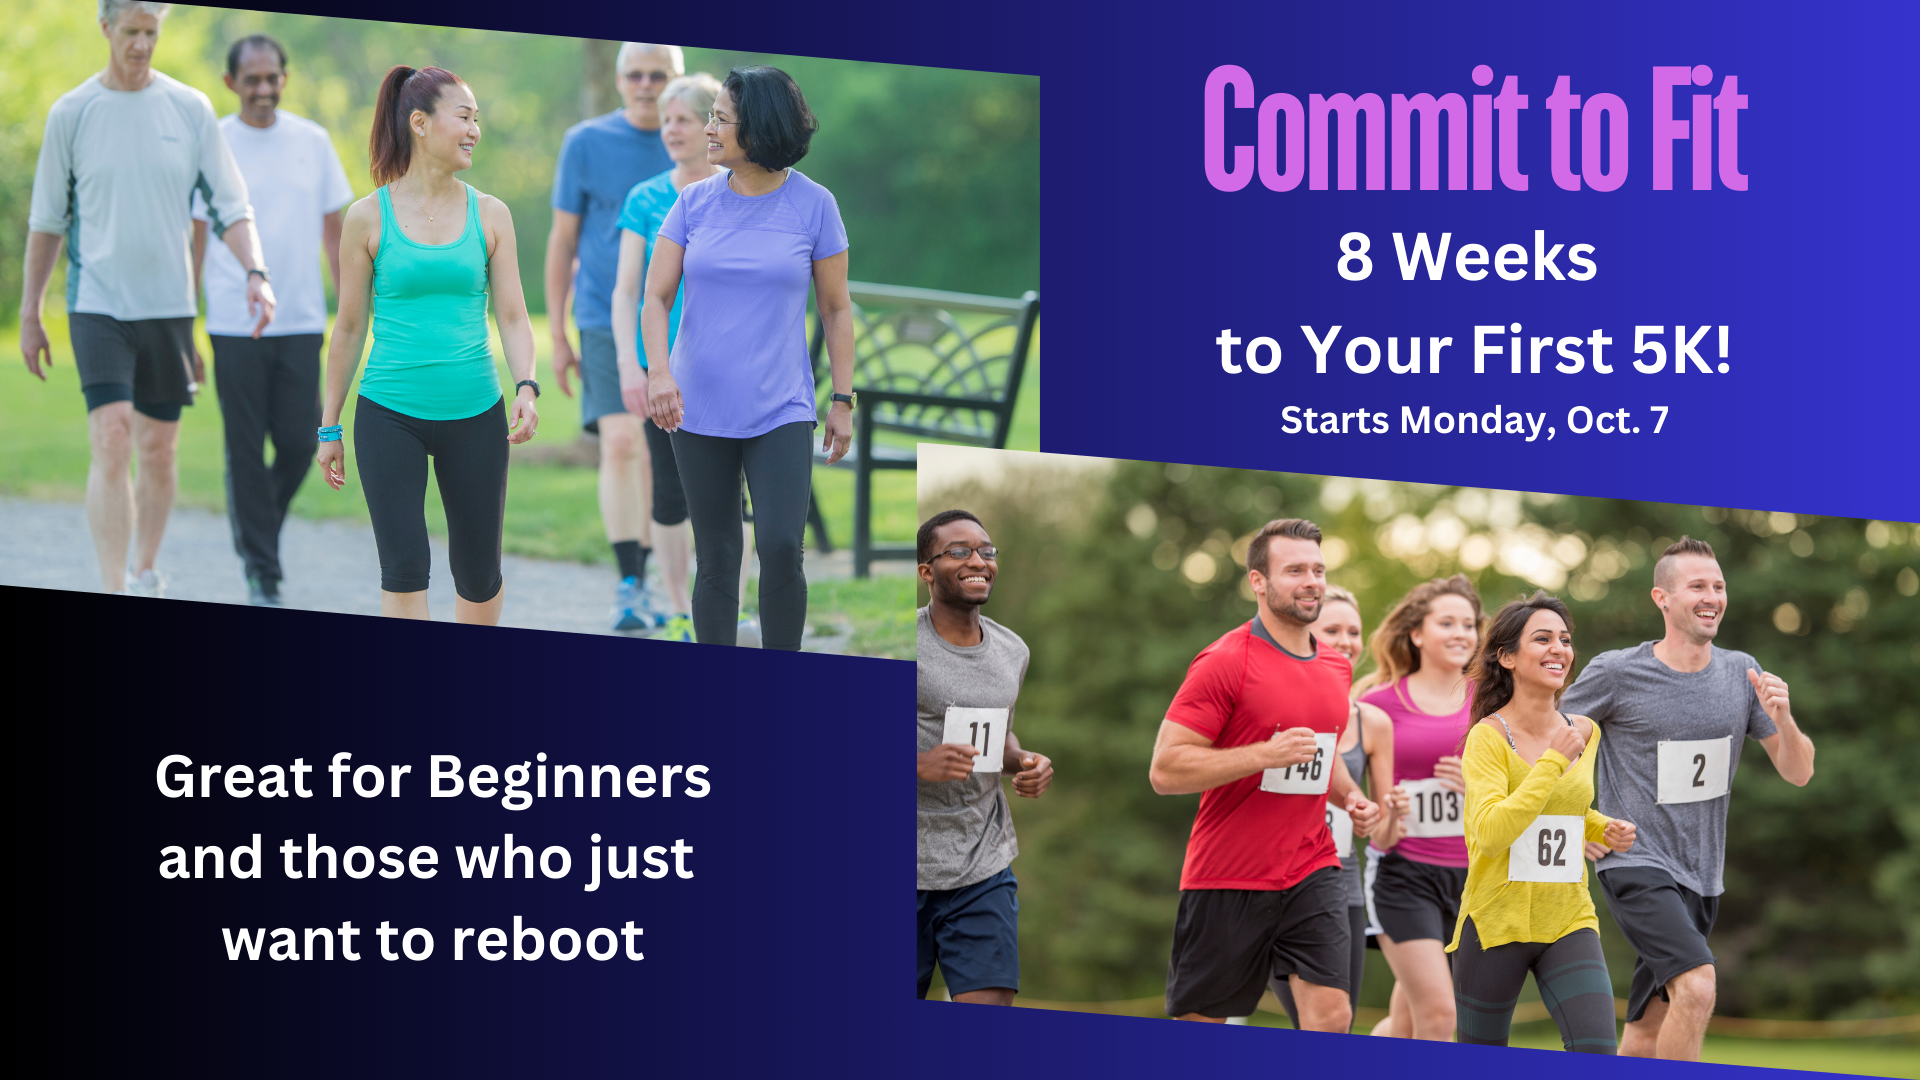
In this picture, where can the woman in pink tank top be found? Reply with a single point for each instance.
(1421, 651)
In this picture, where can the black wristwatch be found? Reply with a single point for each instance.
(264, 276)
(527, 382)
(852, 400)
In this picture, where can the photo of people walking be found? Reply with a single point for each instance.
(1562, 845)
(563, 134)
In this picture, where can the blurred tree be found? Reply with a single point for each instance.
(598, 94)
(1116, 579)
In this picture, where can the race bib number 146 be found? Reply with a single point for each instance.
(1307, 778)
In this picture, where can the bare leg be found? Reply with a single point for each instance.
(1196, 1016)
(154, 441)
(110, 490)
(1322, 1008)
(1421, 967)
(624, 479)
(1642, 1037)
(996, 995)
(1397, 1025)
(487, 614)
(1692, 994)
(403, 605)
(671, 544)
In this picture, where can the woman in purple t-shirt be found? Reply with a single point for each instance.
(1421, 651)
(735, 388)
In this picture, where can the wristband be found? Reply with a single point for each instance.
(331, 433)
(527, 382)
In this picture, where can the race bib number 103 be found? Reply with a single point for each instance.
(1434, 809)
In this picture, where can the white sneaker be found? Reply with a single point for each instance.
(148, 582)
(748, 634)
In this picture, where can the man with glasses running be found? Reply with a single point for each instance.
(1675, 713)
(600, 161)
(970, 671)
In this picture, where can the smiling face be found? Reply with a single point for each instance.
(680, 131)
(449, 135)
(1338, 628)
(1295, 579)
(259, 81)
(1544, 655)
(1446, 638)
(132, 38)
(1694, 597)
(723, 134)
(964, 582)
(642, 76)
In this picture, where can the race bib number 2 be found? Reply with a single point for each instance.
(1552, 849)
(1693, 771)
(1307, 778)
(985, 729)
(1434, 809)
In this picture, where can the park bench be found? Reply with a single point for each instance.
(933, 365)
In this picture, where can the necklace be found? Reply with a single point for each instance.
(418, 201)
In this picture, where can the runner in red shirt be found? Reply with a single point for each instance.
(1254, 727)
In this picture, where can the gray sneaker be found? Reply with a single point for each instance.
(263, 592)
(148, 582)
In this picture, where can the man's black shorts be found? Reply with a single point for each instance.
(1413, 900)
(1666, 923)
(147, 361)
(1229, 942)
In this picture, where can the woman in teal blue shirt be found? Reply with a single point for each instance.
(424, 254)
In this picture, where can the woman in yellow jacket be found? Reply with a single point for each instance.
(1529, 775)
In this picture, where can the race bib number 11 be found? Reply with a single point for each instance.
(1307, 778)
(1694, 771)
(1552, 849)
(985, 729)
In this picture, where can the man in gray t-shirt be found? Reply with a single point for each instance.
(1674, 715)
(970, 669)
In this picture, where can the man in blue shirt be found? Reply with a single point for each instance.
(600, 161)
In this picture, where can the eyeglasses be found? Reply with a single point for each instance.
(713, 118)
(962, 554)
(647, 76)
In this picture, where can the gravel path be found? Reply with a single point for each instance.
(331, 566)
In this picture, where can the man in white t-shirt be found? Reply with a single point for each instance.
(269, 386)
(121, 157)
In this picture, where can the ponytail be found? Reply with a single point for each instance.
(404, 91)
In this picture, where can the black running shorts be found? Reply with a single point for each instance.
(1228, 942)
(146, 361)
(1666, 923)
(1414, 900)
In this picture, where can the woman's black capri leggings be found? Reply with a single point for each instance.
(470, 463)
(1573, 981)
(779, 470)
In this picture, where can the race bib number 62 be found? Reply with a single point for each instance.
(985, 729)
(1552, 849)
(1308, 777)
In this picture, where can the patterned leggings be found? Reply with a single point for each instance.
(1573, 981)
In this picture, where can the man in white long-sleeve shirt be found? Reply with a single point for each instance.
(122, 155)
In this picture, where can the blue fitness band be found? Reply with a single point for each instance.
(330, 433)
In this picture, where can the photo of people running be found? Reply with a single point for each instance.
(1451, 764)
(324, 225)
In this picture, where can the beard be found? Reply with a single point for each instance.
(955, 595)
(1289, 608)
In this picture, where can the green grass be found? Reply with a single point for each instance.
(552, 510)
(1898, 1056)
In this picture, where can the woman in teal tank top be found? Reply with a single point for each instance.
(423, 256)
